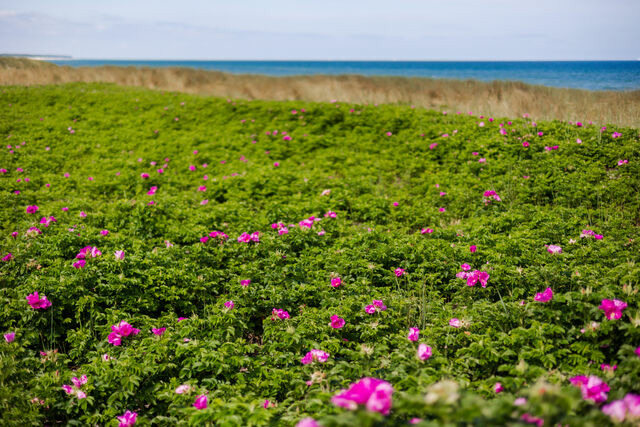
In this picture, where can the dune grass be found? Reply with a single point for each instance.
(499, 98)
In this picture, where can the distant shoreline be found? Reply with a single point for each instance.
(496, 98)
(589, 75)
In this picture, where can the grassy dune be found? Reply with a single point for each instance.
(507, 99)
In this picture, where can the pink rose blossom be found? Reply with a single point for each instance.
(545, 296)
(10, 336)
(424, 352)
(336, 281)
(36, 302)
(612, 308)
(373, 393)
(338, 322)
(414, 334)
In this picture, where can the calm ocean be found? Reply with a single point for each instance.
(592, 75)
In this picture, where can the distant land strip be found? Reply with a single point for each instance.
(497, 99)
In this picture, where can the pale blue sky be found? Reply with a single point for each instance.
(329, 29)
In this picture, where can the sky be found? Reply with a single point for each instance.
(323, 30)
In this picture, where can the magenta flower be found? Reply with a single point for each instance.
(622, 162)
(373, 393)
(424, 352)
(530, 419)
(32, 209)
(426, 231)
(476, 276)
(472, 248)
(36, 302)
(338, 323)
(399, 272)
(414, 334)
(144, 175)
(127, 419)
(331, 214)
(104, 232)
(612, 308)
(554, 249)
(10, 336)
(490, 196)
(497, 388)
(245, 282)
(7, 257)
(201, 402)
(336, 281)
(545, 296)
(229, 305)
(33, 231)
(82, 214)
(376, 305)
(455, 322)
(280, 314)
(158, 331)
(592, 388)
(119, 254)
(79, 264)
(315, 356)
(637, 351)
(122, 329)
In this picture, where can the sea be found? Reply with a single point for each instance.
(590, 75)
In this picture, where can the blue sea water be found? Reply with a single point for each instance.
(591, 75)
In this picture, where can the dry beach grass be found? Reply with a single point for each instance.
(500, 98)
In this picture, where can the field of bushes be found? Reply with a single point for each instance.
(170, 259)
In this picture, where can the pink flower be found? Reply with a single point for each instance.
(266, 404)
(144, 175)
(79, 264)
(592, 388)
(315, 356)
(7, 257)
(122, 329)
(36, 302)
(490, 196)
(81, 394)
(622, 162)
(612, 308)
(119, 254)
(476, 276)
(280, 314)
(152, 191)
(104, 232)
(338, 323)
(127, 419)
(530, 419)
(158, 331)
(82, 214)
(373, 393)
(442, 209)
(336, 281)
(10, 336)
(497, 388)
(331, 214)
(307, 422)
(628, 407)
(399, 272)
(414, 334)
(192, 168)
(182, 389)
(426, 231)
(276, 164)
(455, 322)
(433, 146)
(204, 202)
(396, 204)
(608, 368)
(472, 248)
(545, 296)
(245, 282)
(637, 351)
(325, 192)
(229, 305)
(525, 144)
(202, 188)
(554, 249)
(424, 352)
(32, 209)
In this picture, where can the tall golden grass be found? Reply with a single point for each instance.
(499, 98)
